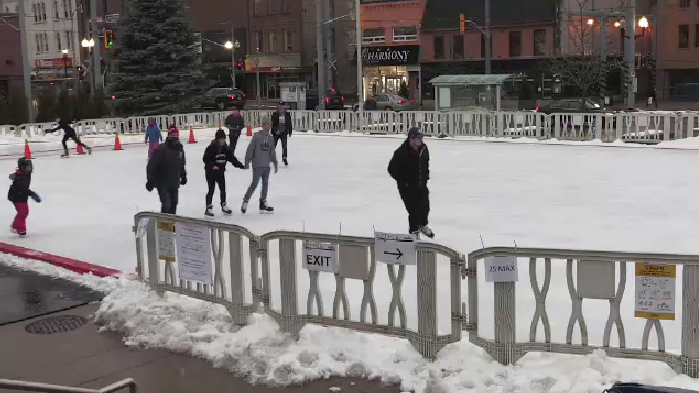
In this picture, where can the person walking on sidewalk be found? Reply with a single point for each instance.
(281, 129)
(68, 133)
(261, 154)
(20, 193)
(166, 171)
(235, 124)
(410, 168)
(216, 155)
(153, 136)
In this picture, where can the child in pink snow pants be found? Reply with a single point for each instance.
(20, 193)
(153, 136)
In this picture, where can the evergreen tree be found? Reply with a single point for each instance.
(158, 65)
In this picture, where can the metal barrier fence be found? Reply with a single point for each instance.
(243, 266)
(26, 386)
(641, 127)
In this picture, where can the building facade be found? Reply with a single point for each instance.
(11, 72)
(677, 43)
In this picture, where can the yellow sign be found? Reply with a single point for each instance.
(655, 291)
(166, 241)
(249, 64)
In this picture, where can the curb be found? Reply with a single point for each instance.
(65, 263)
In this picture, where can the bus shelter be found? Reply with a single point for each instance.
(464, 92)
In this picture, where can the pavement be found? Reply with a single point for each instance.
(47, 336)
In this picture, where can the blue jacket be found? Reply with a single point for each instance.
(153, 134)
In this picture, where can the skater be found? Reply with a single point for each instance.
(410, 168)
(68, 133)
(261, 153)
(281, 129)
(215, 157)
(20, 193)
(166, 171)
(153, 136)
(235, 124)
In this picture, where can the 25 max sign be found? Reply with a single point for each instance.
(319, 257)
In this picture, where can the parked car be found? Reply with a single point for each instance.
(224, 98)
(334, 100)
(394, 102)
(572, 105)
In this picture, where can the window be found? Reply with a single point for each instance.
(374, 35)
(483, 46)
(58, 41)
(458, 47)
(272, 41)
(43, 11)
(540, 42)
(405, 34)
(46, 42)
(684, 37)
(438, 47)
(66, 10)
(286, 7)
(515, 43)
(273, 6)
(55, 10)
(35, 12)
(259, 41)
(69, 39)
(696, 36)
(257, 8)
(684, 3)
(288, 40)
(38, 44)
(70, 11)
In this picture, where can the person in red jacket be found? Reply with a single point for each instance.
(20, 193)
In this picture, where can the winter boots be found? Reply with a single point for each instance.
(264, 208)
(224, 208)
(286, 163)
(65, 154)
(425, 230)
(244, 207)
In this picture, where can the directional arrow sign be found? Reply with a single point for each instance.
(394, 248)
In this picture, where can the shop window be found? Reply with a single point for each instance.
(405, 34)
(540, 42)
(458, 47)
(272, 41)
(683, 37)
(515, 43)
(259, 41)
(374, 35)
(438, 47)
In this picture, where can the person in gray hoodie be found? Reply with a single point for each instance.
(261, 154)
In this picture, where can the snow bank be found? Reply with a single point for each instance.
(264, 355)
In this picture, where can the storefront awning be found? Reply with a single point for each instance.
(465, 80)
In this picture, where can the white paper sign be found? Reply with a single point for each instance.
(319, 257)
(166, 241)
(142, 227)
(501, 269)
(655, 291)
(194, 253)
(394, 248)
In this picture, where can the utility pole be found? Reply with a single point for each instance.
(488, 39)
(25, 60)
(257, 80)
(97, 49)
(233, 55)
(360, 76)
(329, 39)
(630, 51)
(321, 60)
(603, 56)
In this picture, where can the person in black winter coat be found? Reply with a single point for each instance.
(216, 155)
(68, 133)
(20, 193)
(235, 124)
(281, 129)
(410, 168)
(166, 171)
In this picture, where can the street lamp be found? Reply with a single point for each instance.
(228, 45)
(617, 24)
(65, 51)
(643, 22)
(87, 43)
(590, 22)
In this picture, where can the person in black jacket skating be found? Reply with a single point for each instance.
(410, 168)
(166, 171)
(216, 155)
(68, 133)
(281, 129)
(235, 124)
(20, 193)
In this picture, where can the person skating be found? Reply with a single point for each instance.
(20, 193)
(261, 154)
(235, 124)
(281, 129)
(68, 133)
(153, 136)
(167, 170)
(216, 155)
(410, 168)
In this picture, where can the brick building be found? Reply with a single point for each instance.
(10, 57)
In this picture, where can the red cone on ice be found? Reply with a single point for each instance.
(249, 130)
(27, 152)
(191, 137)
(117, 143)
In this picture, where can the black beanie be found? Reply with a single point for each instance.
(220, 134)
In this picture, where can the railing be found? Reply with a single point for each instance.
(262, 274)
(640, 127)
(25, 386)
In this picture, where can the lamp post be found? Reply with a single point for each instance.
(231, 46)
(89, 44)
(65, 62)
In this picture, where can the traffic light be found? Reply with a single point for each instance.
(108, 38)
(462, 23)
(239, 65)
(81, 72)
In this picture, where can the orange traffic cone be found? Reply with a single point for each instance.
(81, 151)
(249, 130)
(27, 152)
(117, 143)
(191, 137)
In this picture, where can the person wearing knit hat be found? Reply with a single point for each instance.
(216, 155)
(410, 168)
(153, 136)
(167, 171)
(281, 129)
(235, 124)
(261, 154)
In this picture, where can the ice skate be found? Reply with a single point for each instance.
(65, 154)
(13, 230)
(89, 150)
(22, 234)
(416, 234)
(225, 209)
(244, 207)
(209, 211)
(425, 230)
(286, 163)
(264, 208)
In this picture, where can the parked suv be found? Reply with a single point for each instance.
(334, 100)
(224, 98)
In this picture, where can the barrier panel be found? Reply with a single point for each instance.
(252, 273)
